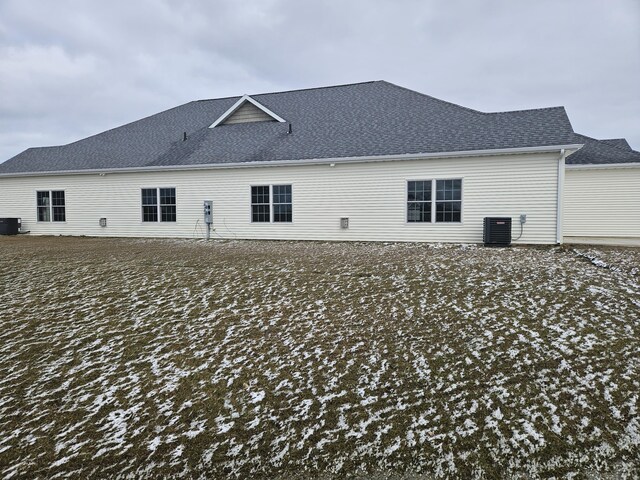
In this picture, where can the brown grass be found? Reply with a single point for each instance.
(390, 360)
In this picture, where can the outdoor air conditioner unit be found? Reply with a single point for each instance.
(10, 226)
(497, 231)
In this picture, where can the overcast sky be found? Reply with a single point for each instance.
(69, 69)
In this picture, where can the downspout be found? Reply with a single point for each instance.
(559, 235)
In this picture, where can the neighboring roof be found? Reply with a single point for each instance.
(618, 142)
(357, 120)
(602, 152)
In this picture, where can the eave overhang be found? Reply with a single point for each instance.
(570, 148)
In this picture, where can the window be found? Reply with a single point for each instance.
(44, 210)
(445, 207)
(448, 200)
(260, 208)
(167, 204)
(419, 198)
(268, 198)
(51, 206)
(149, 205)
(159, 204)
(282, 211)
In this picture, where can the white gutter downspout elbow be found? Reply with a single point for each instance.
(559, 236)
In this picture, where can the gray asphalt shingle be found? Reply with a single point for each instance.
(365, 119)
(602, 152)
(618, 142)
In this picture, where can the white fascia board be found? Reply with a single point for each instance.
(238, 104)
(311, 161)
(602, 166)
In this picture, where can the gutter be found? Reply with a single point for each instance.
(560, 192)
(311, 161)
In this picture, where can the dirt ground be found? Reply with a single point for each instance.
(255, 359)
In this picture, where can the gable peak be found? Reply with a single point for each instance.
(246, 110)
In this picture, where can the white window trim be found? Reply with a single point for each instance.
(158, 221)
(50, 206)
(433, 181)
(271, 221)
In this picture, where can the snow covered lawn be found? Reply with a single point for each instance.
(264, 359)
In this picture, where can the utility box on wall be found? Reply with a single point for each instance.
(208, 212)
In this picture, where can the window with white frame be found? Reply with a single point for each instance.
(419, 201)
(437, 201)
(260, 204)
(271, 203)
(158, 204)
(282, 207)
(448, 200)
(51, 206)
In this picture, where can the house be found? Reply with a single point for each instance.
(367, 161)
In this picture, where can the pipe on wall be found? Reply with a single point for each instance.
(563, 155)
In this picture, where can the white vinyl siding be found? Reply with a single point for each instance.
(248, 113)
(602, 205)
(372, 195)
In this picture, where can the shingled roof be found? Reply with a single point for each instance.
(618, 142)
(602, 152)
(357, 120)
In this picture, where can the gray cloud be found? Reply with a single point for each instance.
(73, 68)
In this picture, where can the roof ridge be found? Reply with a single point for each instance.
(472, 109)
(558, 107)
(430, 97)
(290, 91)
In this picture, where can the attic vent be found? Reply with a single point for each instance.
(248, 113)
(246, 110)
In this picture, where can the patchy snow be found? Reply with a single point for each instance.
(256, 397)
(186, 359)
(155, 443)
(196, 428)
